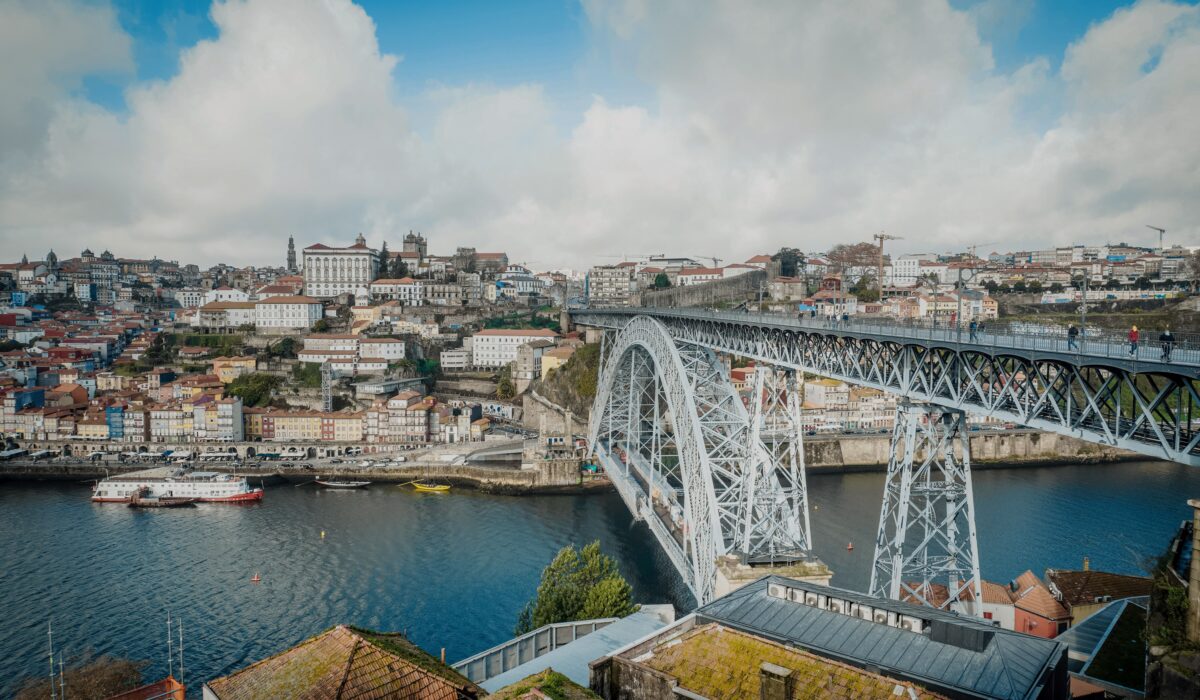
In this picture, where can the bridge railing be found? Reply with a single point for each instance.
(1092, 342)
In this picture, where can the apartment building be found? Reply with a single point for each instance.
(287, 313)
(496, 347)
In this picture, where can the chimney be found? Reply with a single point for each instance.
(774, 682)
(1087, 564)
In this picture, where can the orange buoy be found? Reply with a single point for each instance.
(255, 578)
(850, 547)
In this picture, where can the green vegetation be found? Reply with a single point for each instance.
(10, 345)
(307, 374)
(661, 281)
(573, 385)
(791, 262)
(551, 683)
(505, 389)
(321, 326)
(87, 677)
(223, 344)
(284, 348)
(579, 584)
(531, 320)
(254, 389)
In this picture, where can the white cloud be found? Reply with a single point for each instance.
(46, 48)
(774, 124)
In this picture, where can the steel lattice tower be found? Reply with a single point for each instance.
(927, 523)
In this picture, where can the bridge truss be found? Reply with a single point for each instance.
(687, 457)
(1149, 408)
(711, 477)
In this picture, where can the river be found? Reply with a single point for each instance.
(453, 570)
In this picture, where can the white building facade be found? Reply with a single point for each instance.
(283, 314)
(330, 271)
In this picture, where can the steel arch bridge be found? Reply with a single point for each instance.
(686, 456)
(676, 438)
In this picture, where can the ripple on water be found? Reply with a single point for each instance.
(454, 570)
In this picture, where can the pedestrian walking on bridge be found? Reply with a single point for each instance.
(1168, 344)
(1072, 335)
(1133, 341)
(973, 330)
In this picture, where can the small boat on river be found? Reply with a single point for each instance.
(433, 488)
(337, 484)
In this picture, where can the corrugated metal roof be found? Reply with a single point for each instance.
(1010, 664)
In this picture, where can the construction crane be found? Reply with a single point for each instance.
(974, 247)
(881, 237)
(715, 260)
(1161, 231)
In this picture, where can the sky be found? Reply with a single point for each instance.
(571, 133)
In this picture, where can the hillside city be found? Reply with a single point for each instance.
(599, 350)
(106, 349)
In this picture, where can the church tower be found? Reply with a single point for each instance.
(291, 256)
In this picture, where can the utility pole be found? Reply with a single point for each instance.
(881, 237)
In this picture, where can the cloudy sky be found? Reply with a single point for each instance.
(562, 131)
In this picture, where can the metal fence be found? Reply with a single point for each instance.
(1092, 342)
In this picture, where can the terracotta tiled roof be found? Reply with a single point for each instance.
(226, 305)
(347, 663)
(1033, 596)
(1085, 587)
(540, 332)
(290, 300)
(993, 593)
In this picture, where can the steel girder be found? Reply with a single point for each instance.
(1155, 413)
(926, 535)
(671, 427)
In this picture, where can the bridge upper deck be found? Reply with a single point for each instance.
(1094, 347)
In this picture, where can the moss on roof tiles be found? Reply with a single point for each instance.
(719, 662)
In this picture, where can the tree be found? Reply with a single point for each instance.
(381, 269)
(399, 269)
(1142, 282)
(504, 386)
(991, 286)
(661, 281)
(254, 389)
(321, 326)
(855, 256)
(865, 289)
(1035, 286)
(85, 677)
(1020, 287)
(1004, 288)
(1192, 270)
(1056, 288)
(1112, 283)
(791, 261)
(578, 585)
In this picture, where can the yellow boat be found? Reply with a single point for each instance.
(437, 488)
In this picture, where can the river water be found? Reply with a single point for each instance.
(453, 570)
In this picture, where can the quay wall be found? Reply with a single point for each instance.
(549, 476)
(988, 449)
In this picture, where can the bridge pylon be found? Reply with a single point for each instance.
(926, 532)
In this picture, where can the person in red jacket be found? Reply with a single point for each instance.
(1133, 340)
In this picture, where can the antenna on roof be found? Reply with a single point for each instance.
(179, 623)
(170, 651)
(50, 636)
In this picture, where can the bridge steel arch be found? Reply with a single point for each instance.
(686, 456)
(1147, 407)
